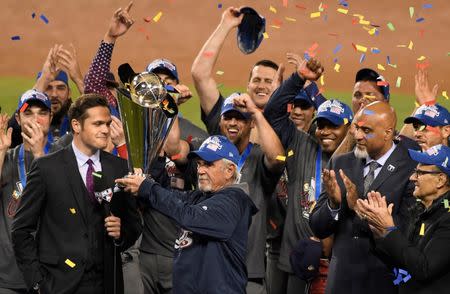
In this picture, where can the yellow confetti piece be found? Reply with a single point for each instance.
(401, 46)
(410, 46)
(290, 153)
(411, 12)
(399, 82)
(314, 14)
(70, 263)
(369, 97)
(272, 9)
(322, 80)
(360, 16)
(72, 210)
(337, 67)
(266, 35)
(372, 31)
(345, 121)
(361, 48)
(393, 65)
(219, 72)
(380, 67)
(342, 10)
(416, 104)
(364, 22)
(421, 58)
(275, 27)
(290, 19)
(157, 17)
(422, 230)
(281, 158)
(444, 93)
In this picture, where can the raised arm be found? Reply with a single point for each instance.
(202, 68)
(174, 147)
(68, 61)
(50, 70)
(5, 140)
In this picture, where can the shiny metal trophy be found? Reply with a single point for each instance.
(147, 111)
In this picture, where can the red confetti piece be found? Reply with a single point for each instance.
(148, 19)
(285, 3)
(355, 21)
(354, 47)
(300, 6)
(277, 22)
(333, 34)
(289, 108)
(382, 83)
(24, 106)
(176, 156)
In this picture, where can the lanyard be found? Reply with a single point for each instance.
(244, 156)
(318, 173)
(64, 127)
(22, 172)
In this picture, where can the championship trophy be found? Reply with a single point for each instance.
(148, 109)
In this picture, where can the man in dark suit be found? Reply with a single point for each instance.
(78, 238)
(378, 164)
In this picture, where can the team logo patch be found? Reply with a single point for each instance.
(185, 240)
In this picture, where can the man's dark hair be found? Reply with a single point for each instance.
(266, 63)
(78, 109)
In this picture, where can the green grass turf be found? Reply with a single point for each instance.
(12, 87)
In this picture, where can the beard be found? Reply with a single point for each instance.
(58, 116)
(360, 153)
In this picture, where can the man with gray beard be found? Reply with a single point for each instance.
(376, 164)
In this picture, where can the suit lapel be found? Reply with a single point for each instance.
(75, 180)
(389, 168)
(107, 170)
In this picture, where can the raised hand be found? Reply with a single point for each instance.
(5, 133)
(352, 193)
(245, 103)
(69, 62)
(231, 17)
(185, 93)
(376, 211)
(308, 70)
(117, 134)
(332, 188)
(120, 23)
(278, 79)
(423, 92)
(33, 135)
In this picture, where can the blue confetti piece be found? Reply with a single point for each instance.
(44, 19)
(362, 58)
(421, 19)
(377, 32)
(407, 278)
(402, 271)
(306, 56)
(335, 60)
(15, 38)
(428, 6)
(219, 6)
(368, 112)
(388, 59)
(375, 50)
(33, 15)
(343, 3)
(338, 47)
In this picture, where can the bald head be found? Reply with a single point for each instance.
(375, 130)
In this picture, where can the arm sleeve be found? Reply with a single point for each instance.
(423, 265)
(216, 217)
(94, 82)
(212, 120)
(276, 111)
(25, 224)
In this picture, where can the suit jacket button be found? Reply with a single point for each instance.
(355, 237)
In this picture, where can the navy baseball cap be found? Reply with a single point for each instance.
(33, 95)
(305, 259)
(215, 148)
(228, 105)
(163, 65)
(62, 76)
(437, 155)
(335, 111)
(251, 30)
(431, 115)
(310, 95)
(367, 74)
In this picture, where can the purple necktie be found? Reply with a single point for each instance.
(90, 181)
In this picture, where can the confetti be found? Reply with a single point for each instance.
(380, 67)
(44, 19)
(343, 3)
(364, 22)
(420, 19)
(375, 50)
(372, 31)
(97, 175)
(337, 67)
(422, 230)
(421, 58)
(148, 19)
(70, 263)
(391, 26)
(382, 83)
(362, 58)
(314, 14)
(410, 46)
(444, 93)
(15, 38)
(219, 72)
(33, 15)
(275, 27)
(290, 153)
(266, 35)
(189, 139)
(428, 6)
(446, 203)
(300, 6)
(361, 48)
(281, 158)
(342, 10)
(157, 17)
(399, 82)
(337, 49)
(411, 12)
(277, 22)
(313, 47)
(289, 108)
(175, 157)
(345, 121)
(219, 5)
(72, 210)
(274, 225)
(290, 19)
(322, 80)
(272, 9)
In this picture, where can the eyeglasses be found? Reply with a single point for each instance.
(419, 172)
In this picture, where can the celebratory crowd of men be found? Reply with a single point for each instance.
(286, 192)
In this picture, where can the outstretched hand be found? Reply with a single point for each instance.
(332, 188)
(231, 17)
(5, 133)
(423, 92)
(308, 70)
(245, 103)
(120, 23)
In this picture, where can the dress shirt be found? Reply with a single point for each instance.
(82, 161)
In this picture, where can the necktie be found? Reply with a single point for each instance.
(368, 180)
(90, 181)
